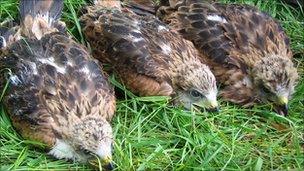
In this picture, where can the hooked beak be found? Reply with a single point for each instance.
(107, 163)
(282, 106)
(210, 105)
(109, 166)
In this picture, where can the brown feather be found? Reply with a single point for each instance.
(234, 38)
(132, 44)
(148, 57)
(57, 92)
(42, 92)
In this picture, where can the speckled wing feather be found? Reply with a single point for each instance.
(132, 45)
(49, 79)
(230, 35)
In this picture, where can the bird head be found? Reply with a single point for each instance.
(87, 140)
(274, 80)
(197, 87)
(93, 137)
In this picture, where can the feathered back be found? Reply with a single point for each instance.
(245, 47)
(39, 17)
(224, 31)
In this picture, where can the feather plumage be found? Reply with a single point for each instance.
(236, 39)
(148, 57)
(58, 94)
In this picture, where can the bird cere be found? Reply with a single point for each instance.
(59, 94)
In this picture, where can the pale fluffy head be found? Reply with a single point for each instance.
(197, 86)
(94, 136)
(274, 79)
(86, 139)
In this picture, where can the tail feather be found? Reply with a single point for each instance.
(39, 17)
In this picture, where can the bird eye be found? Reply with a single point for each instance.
(195, 93)
(265, 90)
(87, 152)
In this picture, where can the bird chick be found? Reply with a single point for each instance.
(149, 58)
(246, 49)
(58, 94)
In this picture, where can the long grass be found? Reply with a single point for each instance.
(152, 135)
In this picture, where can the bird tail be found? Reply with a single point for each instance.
(39, 17)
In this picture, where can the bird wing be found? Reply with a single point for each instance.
(230, 35)
(254, 32)
(128, 43)
(49, 79)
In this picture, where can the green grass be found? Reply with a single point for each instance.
(152, 135)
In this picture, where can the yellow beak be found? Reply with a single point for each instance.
(282, 105)
(107, 160)
(282, 100)
(106, 163)
(211, 106)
